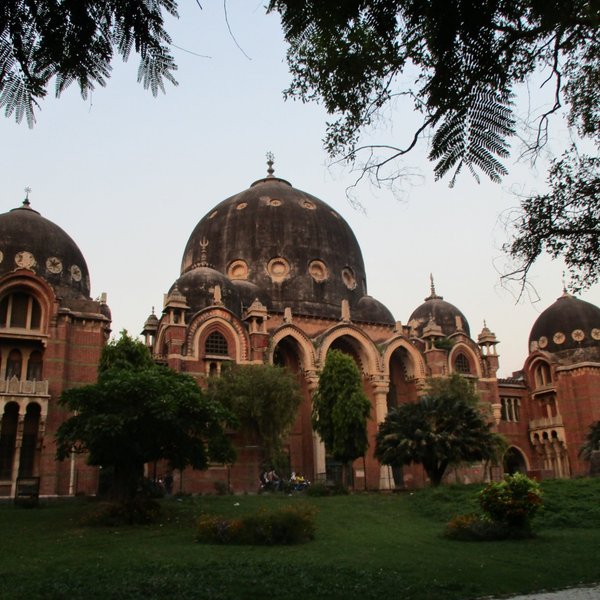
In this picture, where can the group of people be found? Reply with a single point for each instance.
(271, 482)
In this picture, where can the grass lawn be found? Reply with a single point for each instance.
(367, 546)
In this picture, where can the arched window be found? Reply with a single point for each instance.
(34, 366)
(14, 364)
(20, 310)
(216, 344)
(461, 364)
(542, 375)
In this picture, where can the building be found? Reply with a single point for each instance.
(273, 274)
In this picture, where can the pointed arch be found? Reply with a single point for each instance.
(416, 357)
(307, 350)
(366, 351)
(464, 360)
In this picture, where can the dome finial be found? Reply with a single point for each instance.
(270, 161)
(26, 201)
(433, 295)
(203, 252)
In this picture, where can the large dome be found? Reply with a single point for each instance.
(291, 245)
(28, 240)
(568, 324)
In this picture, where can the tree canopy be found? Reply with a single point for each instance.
(74, 42)
(264, 400)
(139, 412)
(592, 442)
(341, 409)
(459, 63)
(443, 428)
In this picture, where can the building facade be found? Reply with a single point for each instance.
(273, 274)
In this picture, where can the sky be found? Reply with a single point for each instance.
(128, 176)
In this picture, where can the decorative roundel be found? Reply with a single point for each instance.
(278, 268)
(75, 273)
(275, 202)
(241, 206)
(309, 205)
(213, 214)
(54, 265)
(543, 341)
(559, 337)
(237, 269)
(1, 256)
(596, 333)
(349, 278)
(24, 259)
(578, 335)
(318, 270)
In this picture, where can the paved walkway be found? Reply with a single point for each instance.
(584, 593)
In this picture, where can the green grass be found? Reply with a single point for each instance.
(367, 546)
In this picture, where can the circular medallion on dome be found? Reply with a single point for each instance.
(543, 341)
(54, 265)
(578, 335)
(275, 202)
(75, 273)
(213, 214)
(24, 259)
(318, 270)
(1, 256)
(309, 205)
(559, 337)
(241, 206)
(596, 333)
(278, 268)
(238, 269)
(349, 278)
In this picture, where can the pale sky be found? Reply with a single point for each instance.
(128, 176)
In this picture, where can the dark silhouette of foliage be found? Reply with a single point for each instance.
(74, 42)
(458, 63)
(139, 412)
(443, 428)
(592, 442)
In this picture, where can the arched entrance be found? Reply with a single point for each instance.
(514, 461)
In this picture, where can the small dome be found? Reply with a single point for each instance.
(28, 240)
(446, 315)
(290, 244)
(199, 286)
(369, 310)
(249, 292)
(567, 324)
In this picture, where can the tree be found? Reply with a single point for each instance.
(458, 63)
(75, 42)
(592, 442)
(341, 409)
(139, 412)
(265, 401)
(443, 428)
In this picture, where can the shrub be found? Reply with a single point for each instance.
(289, 525)
(140, 511)
(513, 501)
(473, 528)
(322, 489)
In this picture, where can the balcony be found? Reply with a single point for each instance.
(14, 386)
(546, 423)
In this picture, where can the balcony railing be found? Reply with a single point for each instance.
(545, 423)
(27, 388)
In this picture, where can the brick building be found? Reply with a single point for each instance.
(273, 274)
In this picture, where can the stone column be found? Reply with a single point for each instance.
(320, 469)
(17, 455)
(380, 391)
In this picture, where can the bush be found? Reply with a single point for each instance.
(473, 528)
(512, 502)
(318, 490)
(289, 525)
(140, 511)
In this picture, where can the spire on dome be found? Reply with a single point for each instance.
(433, 295)
(26, 202)
(203, 252)
(270, 161)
